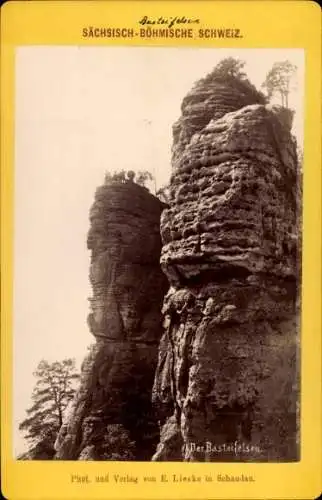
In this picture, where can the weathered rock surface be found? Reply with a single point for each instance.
(111, 416)
(210, 99)
(228, 369)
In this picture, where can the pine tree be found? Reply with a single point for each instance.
(54, 389)
(278, 80)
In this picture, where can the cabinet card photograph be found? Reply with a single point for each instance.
(160, 241)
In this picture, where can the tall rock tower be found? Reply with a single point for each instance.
(111, 417)
(227, 381)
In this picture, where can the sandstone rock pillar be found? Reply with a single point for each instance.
(227, 382)
(113, 402)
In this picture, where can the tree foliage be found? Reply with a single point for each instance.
(117, 444)
(54, 389)
(300, 157)
(163, 193)
(279, 80)
(142, 177)
(230, 67)
(231, 71)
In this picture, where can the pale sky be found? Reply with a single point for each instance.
(79, 112)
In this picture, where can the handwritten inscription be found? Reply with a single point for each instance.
(168, 21)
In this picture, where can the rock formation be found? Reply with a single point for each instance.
(226, 370)
(227, 383)
(111, 416)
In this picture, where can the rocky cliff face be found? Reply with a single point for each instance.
(210, 99)
(226, 370)
(226, 385)
(111, 416)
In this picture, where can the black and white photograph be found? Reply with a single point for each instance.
(157, 254)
